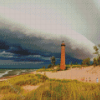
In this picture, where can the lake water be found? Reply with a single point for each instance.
(11, 72)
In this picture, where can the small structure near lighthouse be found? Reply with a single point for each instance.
(62, 63)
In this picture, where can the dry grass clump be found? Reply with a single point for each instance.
(14, 85)
(67, 90)
(51, 89)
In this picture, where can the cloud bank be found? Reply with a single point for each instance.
(19, 42)
(33, 30)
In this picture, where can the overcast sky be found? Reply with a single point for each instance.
(34, 29)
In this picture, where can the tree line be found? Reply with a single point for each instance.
(96, 60)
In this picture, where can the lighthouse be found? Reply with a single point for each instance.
(62, 63)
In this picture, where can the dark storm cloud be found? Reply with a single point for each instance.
(18, 43)
(3, 45)
(20, 58)
(13, 40)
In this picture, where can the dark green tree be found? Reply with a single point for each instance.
(95, 62)
(71, 63)
(97, 59)
(76, 63)
(86, 61)
(49, 66)
(53, 60)
(43, 67)
(96, 50)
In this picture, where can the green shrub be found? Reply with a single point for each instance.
(49, 66)
(76, 66)
(67, 67)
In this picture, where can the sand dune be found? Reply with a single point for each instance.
(82, 74)
(91, 73)
(29, 88)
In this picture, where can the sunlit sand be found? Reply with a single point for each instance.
(91, 73)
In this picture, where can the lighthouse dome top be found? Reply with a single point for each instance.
(63, 44)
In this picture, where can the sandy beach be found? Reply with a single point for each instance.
(86, 74)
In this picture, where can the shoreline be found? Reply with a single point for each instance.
(87, 74)
(8, 77)
(4, 77)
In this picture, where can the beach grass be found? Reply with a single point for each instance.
(67, 90)
(51, 89)
(57, 68)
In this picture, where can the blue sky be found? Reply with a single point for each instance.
(31, 31)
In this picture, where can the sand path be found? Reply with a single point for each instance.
(29, 88)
